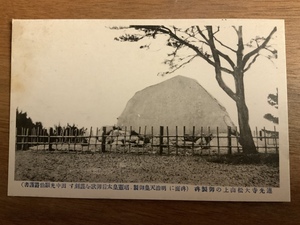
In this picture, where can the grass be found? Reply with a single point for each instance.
(235, 170)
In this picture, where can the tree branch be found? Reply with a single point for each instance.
(227, 58)
(262, 46)
(218, 72)
(250, 64)
(169, 32)
(225, 46)
(178, 67)
(192, 36)
(236, 30)
(240, 50)
(202, 34)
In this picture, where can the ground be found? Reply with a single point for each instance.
(133, 168)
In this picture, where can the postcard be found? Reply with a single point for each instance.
(188, 109)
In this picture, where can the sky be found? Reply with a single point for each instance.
(73, 71)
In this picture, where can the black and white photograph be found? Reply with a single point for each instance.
(149, 109)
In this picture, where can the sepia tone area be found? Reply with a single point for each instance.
(72, 211)
(179, 116)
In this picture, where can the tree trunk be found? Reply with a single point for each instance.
(246, 138)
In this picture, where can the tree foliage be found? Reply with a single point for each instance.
(25, 122)
(273, 101)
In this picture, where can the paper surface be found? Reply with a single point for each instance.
(149, 109)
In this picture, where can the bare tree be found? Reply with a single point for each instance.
(204, 42)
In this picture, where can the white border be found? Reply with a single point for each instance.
(280, 194)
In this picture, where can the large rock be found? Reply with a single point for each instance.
(179, 101)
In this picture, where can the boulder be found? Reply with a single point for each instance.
(179, 101)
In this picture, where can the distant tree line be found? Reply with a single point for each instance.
(25, 126)
(24, 122)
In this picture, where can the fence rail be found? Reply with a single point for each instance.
(127, 140)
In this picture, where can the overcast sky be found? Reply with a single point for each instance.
(75, 72)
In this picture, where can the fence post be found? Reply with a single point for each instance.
(168, 140)
(75, 139)
(130, 131)
(152, 137)
(44, 133)
(265, 137)
(161, 139)
(236, 139)
(138, 142)
(184, 141)
(103, 139)
(257, 142)
(208, 144)
(27, 139)
(275, 138)
(90, 136)
(96, 138)
(202, 139)
(23, 139)
(144, 139)
(124, 149)
(49, 138)
(16, 146)
(193, 139)
(218, 141)
(37, 137)
(229, 140)
(32, 137)
(176, 140)
(69, 133)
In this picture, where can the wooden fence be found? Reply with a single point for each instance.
(127, 140)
